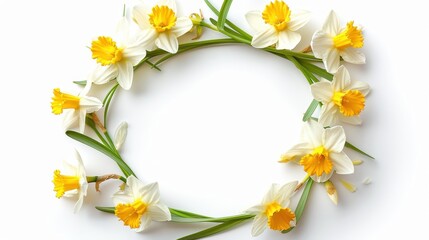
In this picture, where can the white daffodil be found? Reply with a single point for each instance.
(139, 204)
(76, 107)
(160, 25)
(73, 184)
(333, 42)
(274, 210)
(343, 99)
(320, 152)
(277, 25)
(117, 56)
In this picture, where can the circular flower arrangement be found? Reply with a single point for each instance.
(155, 40)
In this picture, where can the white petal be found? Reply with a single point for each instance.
(286, 192)
(90, 104)
(259, 225)
(121, 134)
(341, 79)
(321, 44)
(103, 74)
(332, 24)
(331, 60)
(121, 197)
(86, 89)
(125, 74)
(168, 42)
(82, 118)
(287, 40)
(141, 16)
(78, 204)
(134, 53)
(159, 212)
(322, 91)
(169, 3)
(334, 139)
(312, 133)
(254, 18)
(145, 222)
(183, 25)
(265, 38)
(70, 119)
(271, 194)
(135, 187)
(298, 19)
(342, 163)
(296, 152)
(353, 55)
(80, 169)
(150, 193)
(147, 39)
(353, 120)
(323, 178)
(122, 30)
(328, 114)
(258, 209)
(363, 87)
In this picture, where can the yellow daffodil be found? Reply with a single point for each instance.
(116, 56)
(333, 42)
(160, 25)
(277, 24)
(343, 99)
(73, 184)
(138, 204)
(76, 107)
(274, 211)
(320, 152)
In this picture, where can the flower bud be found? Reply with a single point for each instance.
(332, 192)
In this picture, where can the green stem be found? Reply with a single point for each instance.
(205, 219)
(91, 179)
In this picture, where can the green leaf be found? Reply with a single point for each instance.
(106, 102)
(213, 230)
(349, 145)
(101, 148)
(83, 82)
(176, 218)
(317, 70)
(302, 202)
(185, 214)
(310, 110)
(223, 14)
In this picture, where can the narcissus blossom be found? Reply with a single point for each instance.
(277, 24)
(138, 205)
(320, 152)
(333, 42)
(274, 211)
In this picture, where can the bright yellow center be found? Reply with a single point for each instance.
(63, 183)
(278, 218)
(105, 51)
(62, 101)
(277, 14)
(350, 102)
(162, 18)
(318, 162)
(349, 37)
(131, 213)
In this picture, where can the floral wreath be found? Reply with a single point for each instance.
(152, 38)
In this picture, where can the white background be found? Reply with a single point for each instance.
(211, 126)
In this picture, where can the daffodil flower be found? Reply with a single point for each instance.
(343, 99)
(73, 184)
(332, 42)
(277, 24)
(274, 211)
(320, 152)
(139, 204)
(117, 56)
(160, 25)
(76, 107)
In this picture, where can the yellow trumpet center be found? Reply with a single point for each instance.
(349, 37)
(318, 162)
(277, 14)
(64, 183)
(62, 101)
(162, 18)
(279, 218)
(131, 213)
(350, 102)
(105, 51)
